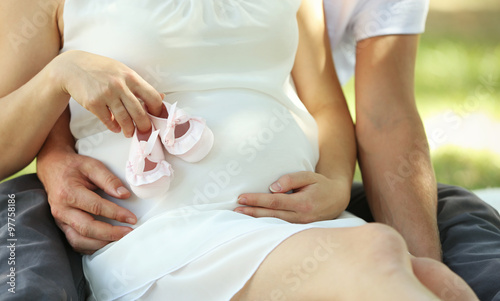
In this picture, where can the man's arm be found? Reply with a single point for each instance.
(69, 179)
(392, 146)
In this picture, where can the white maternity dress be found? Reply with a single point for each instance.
(228, 61)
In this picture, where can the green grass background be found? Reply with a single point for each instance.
(460, 47)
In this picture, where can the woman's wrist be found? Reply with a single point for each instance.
(56, 74)
(336, 172)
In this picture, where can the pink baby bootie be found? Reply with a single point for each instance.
(147, 171)
(183, 136)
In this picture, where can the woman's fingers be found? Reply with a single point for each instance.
(103, 85)
(295, 207)
(293, 181)
(299, 197)
(105, 116)
(278, 199)
(123, 118)
(137, 111)
(129, 111)
(267, 200)
(152, 99)
(288, 216)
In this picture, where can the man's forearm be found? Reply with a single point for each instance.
(392, 146)
(58, 140)
(400, 183)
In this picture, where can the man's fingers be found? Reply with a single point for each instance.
(293, 181)
(80, 243)
(101, 177)
(85, 225)
(89, 201)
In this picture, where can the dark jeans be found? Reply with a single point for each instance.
(470, 236)
(47, 269)
(45, 266)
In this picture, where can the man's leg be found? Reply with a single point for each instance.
(358, 204)
(470, 236)
(35, 260)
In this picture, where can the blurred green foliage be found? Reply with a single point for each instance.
(458, 64)
(458, 68)
(476, 169)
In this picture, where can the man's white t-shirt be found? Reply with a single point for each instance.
(350, 21)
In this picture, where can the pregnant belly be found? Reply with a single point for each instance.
(257, 140)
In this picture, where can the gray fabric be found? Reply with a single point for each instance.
(470, 236)
(45, 266)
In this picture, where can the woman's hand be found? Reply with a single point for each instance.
(313, 197)
(110, 90)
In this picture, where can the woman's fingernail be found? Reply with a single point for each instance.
(122, 190)
(275, 187)
(130, 220)
(242, 201)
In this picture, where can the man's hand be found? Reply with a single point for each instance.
(69, 179)
(313, 197)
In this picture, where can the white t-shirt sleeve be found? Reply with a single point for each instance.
(350, 21)
(387, 17)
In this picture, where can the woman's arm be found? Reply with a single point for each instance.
(35, 88)
(325, 194)
(393, 151)
(37, 83)
(319, 89)
(29, 101)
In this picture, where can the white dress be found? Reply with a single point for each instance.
(228, 61)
